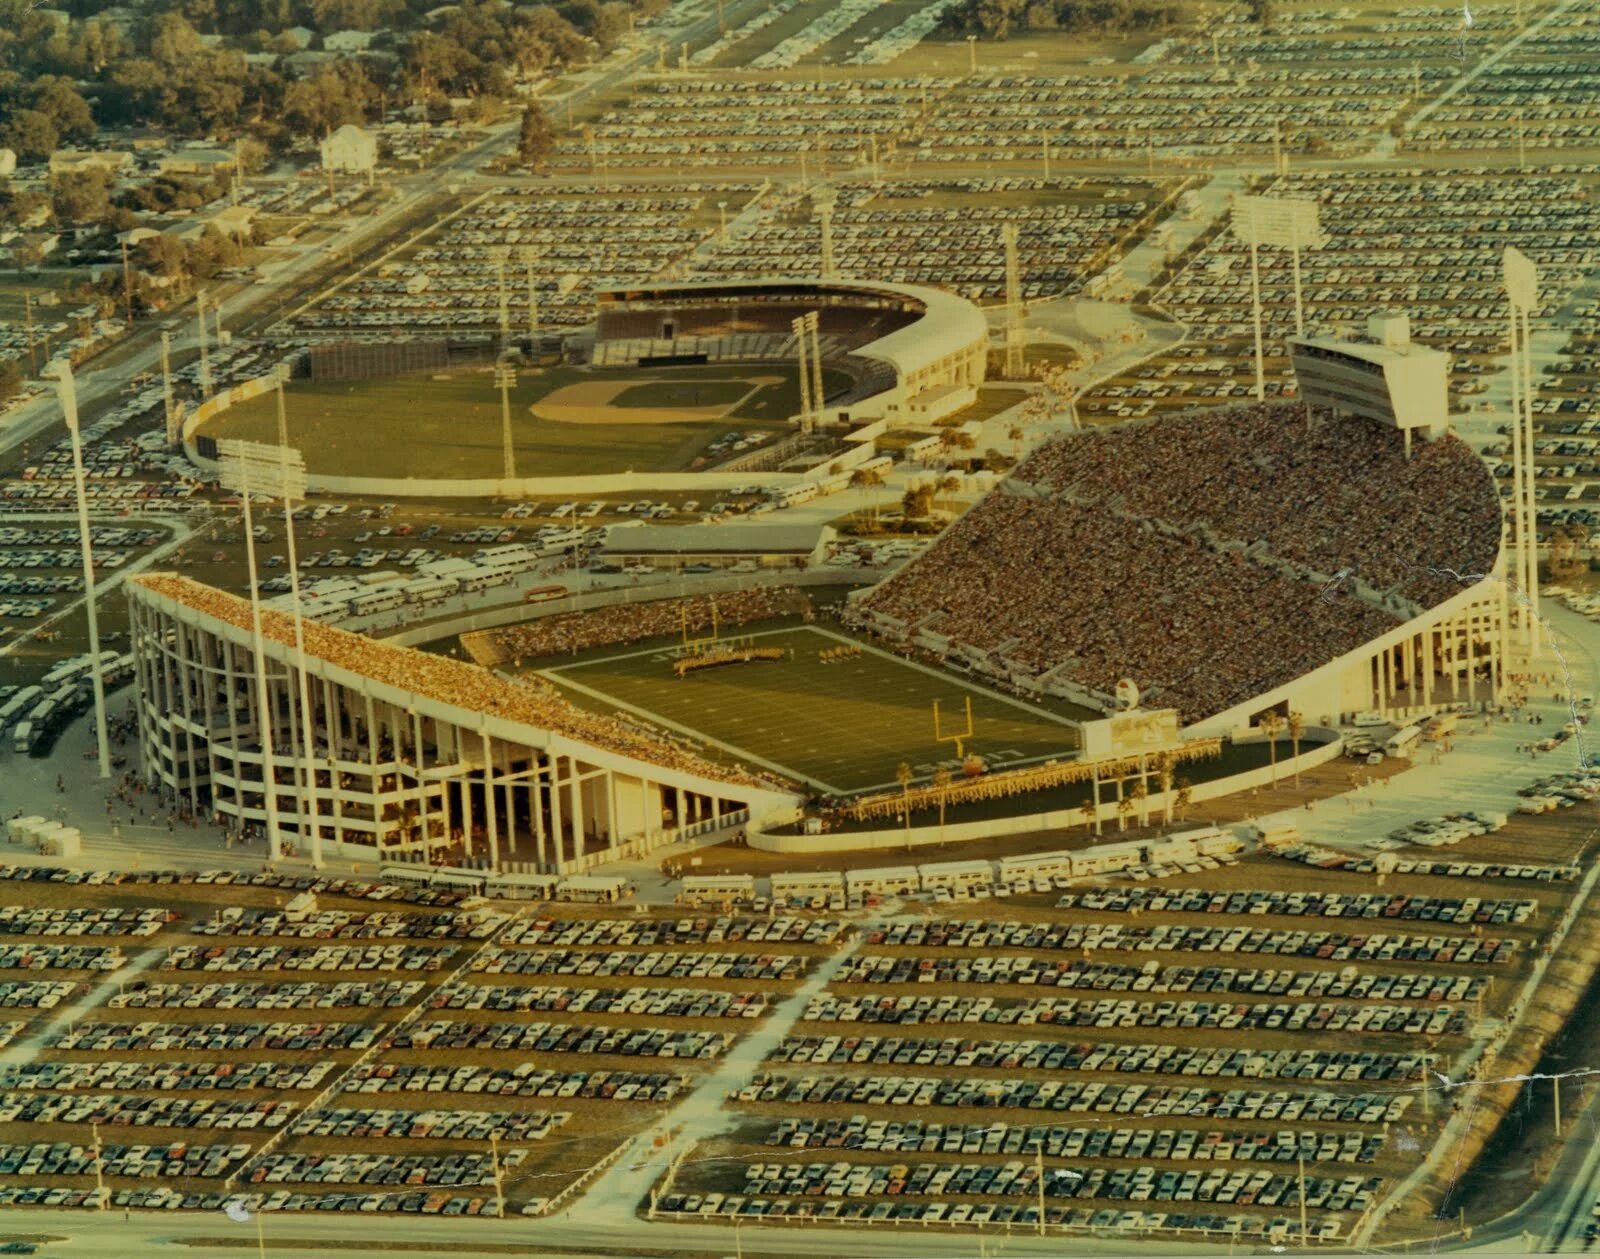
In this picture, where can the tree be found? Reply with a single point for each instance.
(58, 99)
(1184, 798)
(1125, 807)
(902, 775)
(1271, 724)
(81, 196)
(1016, 434)
(1141, 798)
(30, 134)
(1297, 727)
(941, 780)
(1091, 813)
(1166, 770)
(537, 140)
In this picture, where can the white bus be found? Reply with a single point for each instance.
(701, 888)
(807, 884)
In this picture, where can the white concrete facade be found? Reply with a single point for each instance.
(395, 773)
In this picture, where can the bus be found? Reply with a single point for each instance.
(543, 594)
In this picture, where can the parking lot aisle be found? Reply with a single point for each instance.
(704, 1113)
(27, 1048)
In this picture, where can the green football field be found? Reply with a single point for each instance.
(842, 727)
(448, 425)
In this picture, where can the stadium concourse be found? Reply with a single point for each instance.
(1131, 552)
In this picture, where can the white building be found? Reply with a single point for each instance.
(350, 149)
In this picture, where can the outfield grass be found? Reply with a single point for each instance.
(449, 425)
(841, 727)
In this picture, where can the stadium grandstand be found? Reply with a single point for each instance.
(907, 349)
(411, 753)
(1131, 552)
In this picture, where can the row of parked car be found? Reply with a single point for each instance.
(128, 1110)
(164, 1077)
(36, 956)
(1059, 1055)
(432, 1170)
(234, 958)
(359, 889)
(366, 994)
(1021, 1178)
(564, 1038)
(627, 932)
(1153, 977)
(1367, 905)
(1183, 1144)
(343, 924)
(1276, 1231)
(40, 994)
(82, 921)
(1137, 1100)
(675, 1003)
(168, 1037)
(684, 965)
(177, 1161)
(523, 1080)
(439, 1125)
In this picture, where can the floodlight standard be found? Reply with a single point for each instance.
(247, 466)
(797, 325)
(205, 357)
(722, 222)
(67, 391)
(505, 379)
(529, 257)
(1284, 223)
(166, 386)
(292, 485)
(1521, 278)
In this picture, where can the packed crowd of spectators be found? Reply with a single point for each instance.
(1339, 495)
(1053, 582)
(452, 682)
(626, 623)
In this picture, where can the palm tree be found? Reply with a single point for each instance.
(1271, 723)
(1090, 813)
(1125, 807)
(902, 775)
(1166, 768)
(941, 780)
(1016, 435)
(1183, 798)
(1297, 727)
(1141, 798)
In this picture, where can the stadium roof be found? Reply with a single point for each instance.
(724, 539)
(949, 324)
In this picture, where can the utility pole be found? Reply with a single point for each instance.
(127, 282)
(101, 1195)
(1305, 1240)
(1555, 1092)
(972, 55)
(529, 256)
(1039, 1167)
(1047, 156)
(499, 1181)
(1015, 354)
(166, 381)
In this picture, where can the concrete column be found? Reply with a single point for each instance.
(446, 737)
(422, 787)
(536, 805)
(511, 811)
(612, 824)
(579, 846)
(647, 828)
(488, 800)
(555, 815)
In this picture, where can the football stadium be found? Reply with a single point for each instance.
(1053, 652)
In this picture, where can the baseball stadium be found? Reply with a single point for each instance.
(1053, 652)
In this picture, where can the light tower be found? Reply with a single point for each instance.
(248, 468)
(288, 481)
(205, 357)
(1521, 278)
(818, 398)
(1283, 223)
(823, 202)
(505, 301)
(166, 389)
(1014, 312)
(67, 391)
(798, 326)
(505, 379)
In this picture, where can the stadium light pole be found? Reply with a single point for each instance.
(205, 357)
(1521, 278)
(245, 466)
(67, 391)
(291, 484)
(1284, 223)
(530, 256)
(166, 386)
(505, 378)
(798, 326)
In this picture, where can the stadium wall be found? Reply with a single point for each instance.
(761, 834)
